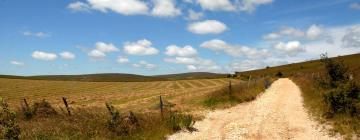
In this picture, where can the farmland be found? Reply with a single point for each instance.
(124, 95)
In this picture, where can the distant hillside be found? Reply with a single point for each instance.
(192, 75)
(352, 61)
(108, 77)
(118, 77)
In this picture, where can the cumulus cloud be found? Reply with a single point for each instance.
(207, 27)
(186, 51)
(79, 7)
(235, 50)
(122, 60)
(215, 45)
(313, 32)
(216, 5)
(352, 37)
(36, 34)
(96, 54)
(144, 64)
(251, 5)
(125, 7)
(105, 47)
(17, 63)
(165, 8)
(67, 55)
(44, 56)
(101, 48)
(195, 63)
(355, 6)
(141, 47)
(192, 15)
(291, 48)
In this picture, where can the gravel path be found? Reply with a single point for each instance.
(276, 114)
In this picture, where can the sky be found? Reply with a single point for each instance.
(153, 37)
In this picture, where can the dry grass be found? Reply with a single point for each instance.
(124, 95)
(89, 115)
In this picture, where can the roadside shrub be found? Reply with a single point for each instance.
(279, 74)
(342, 94)
(336, 71)
(8, 124)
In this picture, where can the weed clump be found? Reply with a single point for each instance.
(9, 126)
(43, 109)
(179, 121)
(121, 125)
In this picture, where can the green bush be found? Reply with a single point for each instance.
(8, 124)
(342, 94)
(279, 74)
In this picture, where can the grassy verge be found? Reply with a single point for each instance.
(42, 121)
(332, 96)
(236, 93)
(344, 124)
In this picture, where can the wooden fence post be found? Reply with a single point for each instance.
(230, 87)
(161, 107)
(66, 105)
(249, 81)
(26, 105)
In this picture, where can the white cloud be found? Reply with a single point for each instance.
(352, 37)
(235, 50)
(192, 15)
(125, 7)
(36, 34)
(67, 55)
(165, 8)
(79, 7)
(191, 67)
(355, 6)
(105, 47)
(216, 5)
(207, 27)
(96, 54)
(251, 5)
(314, 32)
(215, 45)
(101, 48)
(17, 63)
(44, 56)
(122, 60)
(195, 63)
(141, 47)
(186, 51)
(291, 48)
(144, 64)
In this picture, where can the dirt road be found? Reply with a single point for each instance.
(276, 114)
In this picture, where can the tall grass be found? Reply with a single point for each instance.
(90, 123)
(238, 93)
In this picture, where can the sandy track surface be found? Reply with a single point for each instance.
(276, 114)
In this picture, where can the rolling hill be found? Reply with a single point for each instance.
(119, 77)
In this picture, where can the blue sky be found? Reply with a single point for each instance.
(41, 37)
